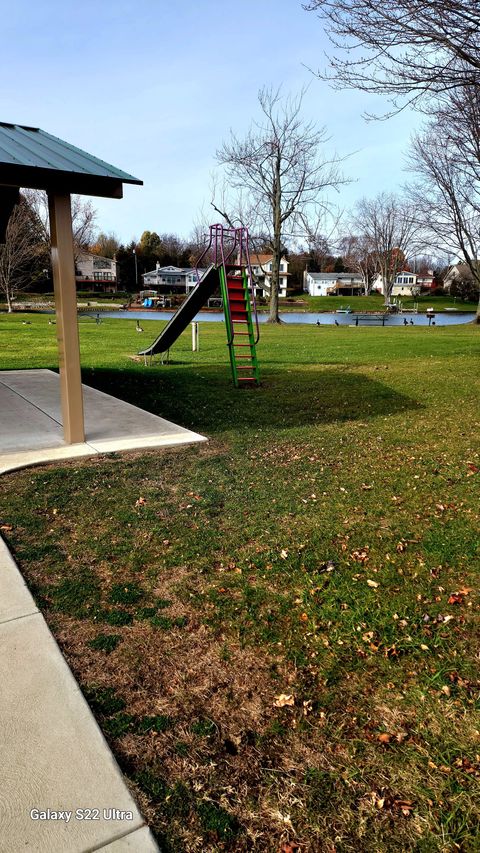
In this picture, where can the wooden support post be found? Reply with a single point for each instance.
(63, 264)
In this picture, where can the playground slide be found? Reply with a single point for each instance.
(196, 299)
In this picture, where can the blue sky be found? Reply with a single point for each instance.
(154, 88)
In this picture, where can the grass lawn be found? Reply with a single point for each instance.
(278, 631)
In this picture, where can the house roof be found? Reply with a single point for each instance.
(30, 157)
(260, 259)
(87, 255)
(459, 270)
(174, 271)
(335, 276)
(263, 258)
(171, 270)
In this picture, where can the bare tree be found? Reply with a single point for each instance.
(407, 49)
(84, 218)
(389, 226)
(358, 256)
(447, 189)
(279, 173)
(20, 253)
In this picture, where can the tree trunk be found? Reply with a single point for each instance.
(277, 246)
(8, 297)
(387, 290)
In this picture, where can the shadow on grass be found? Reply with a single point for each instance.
(206, 401)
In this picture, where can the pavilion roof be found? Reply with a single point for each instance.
(30, 157)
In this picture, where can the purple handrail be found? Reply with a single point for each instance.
(217, 235)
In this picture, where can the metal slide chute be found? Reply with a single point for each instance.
(231, 272)
(196, 299)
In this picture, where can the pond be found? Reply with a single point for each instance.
(323, 319)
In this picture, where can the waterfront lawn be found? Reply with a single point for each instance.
(374, 302)
(277, 631)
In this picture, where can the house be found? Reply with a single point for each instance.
(261, 265)
(94, 273)
(405, 284)
(170, 279)
(460, 275)
(426, 280)
(332, 283)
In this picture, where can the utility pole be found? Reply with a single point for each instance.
(134, 251)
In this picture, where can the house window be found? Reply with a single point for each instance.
(101, 264)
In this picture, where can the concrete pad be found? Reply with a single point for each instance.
(108, 418)
(19, 432)
(53, 753)
(139, 841)
(15, 598)
(31, 423)
(14, 461)
(40, 388)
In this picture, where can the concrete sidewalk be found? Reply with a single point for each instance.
(54, 756)
(31, 423)
(55, 761)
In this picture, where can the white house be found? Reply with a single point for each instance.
(94, 273)
(332, 283)
(262, 268)
(405, 284)
(169, 279)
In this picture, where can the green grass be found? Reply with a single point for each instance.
(295, 602)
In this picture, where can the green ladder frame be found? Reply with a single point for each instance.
(230, 329)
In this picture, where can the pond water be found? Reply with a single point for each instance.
(324, 319)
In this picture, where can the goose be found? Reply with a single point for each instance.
(337, 323)
(138, 327)
(51, 322)
(26, 323)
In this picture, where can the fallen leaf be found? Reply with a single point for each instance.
(6, 527)
(455, 598)
(284, 554)
(284, 699)
(303, 617)
(140, 502)
(360, 555)
(384, 737)
(371, 583)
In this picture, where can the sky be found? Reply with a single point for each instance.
(154, 87)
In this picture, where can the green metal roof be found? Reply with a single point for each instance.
(30, 157)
